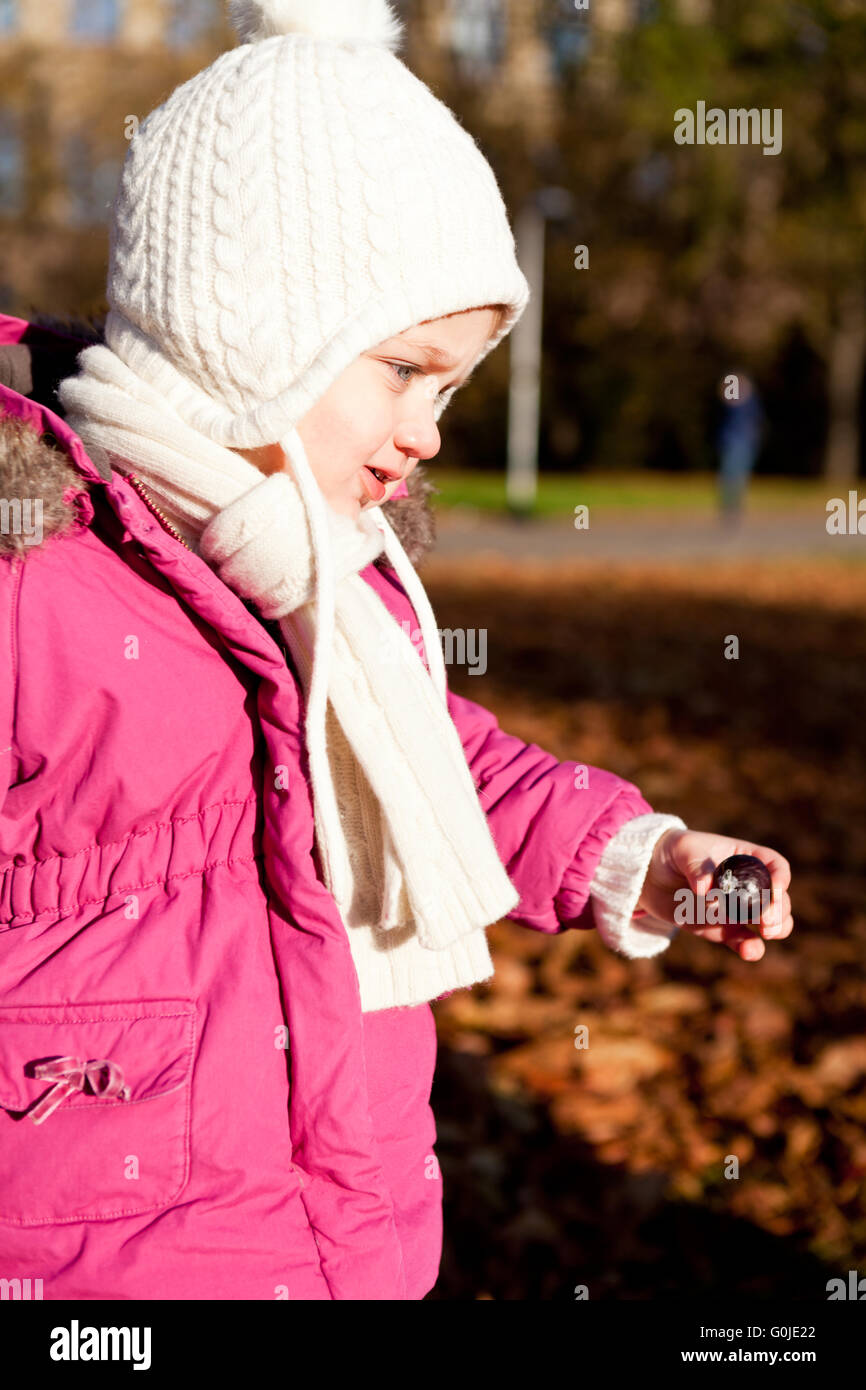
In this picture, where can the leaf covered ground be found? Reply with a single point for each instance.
(606, 1166)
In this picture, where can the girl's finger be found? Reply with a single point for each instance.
(780, 869)
(751, 948)
(777, 933)
(775, 912)
(742, 942)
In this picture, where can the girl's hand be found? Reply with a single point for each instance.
(686, 859)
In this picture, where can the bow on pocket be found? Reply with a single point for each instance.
(71, 1074)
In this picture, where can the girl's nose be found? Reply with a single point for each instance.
(416, 434)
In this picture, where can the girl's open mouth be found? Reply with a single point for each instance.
(373, 484)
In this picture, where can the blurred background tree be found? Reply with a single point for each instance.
(700, 257)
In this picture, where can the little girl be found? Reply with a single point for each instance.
(247, 833)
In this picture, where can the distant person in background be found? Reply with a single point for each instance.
(738, 442)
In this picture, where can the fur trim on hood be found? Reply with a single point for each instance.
(34, 467)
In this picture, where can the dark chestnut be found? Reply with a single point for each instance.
(743, 878)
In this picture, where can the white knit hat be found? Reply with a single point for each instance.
(296, 202)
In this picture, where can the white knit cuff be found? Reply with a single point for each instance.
(617, 885)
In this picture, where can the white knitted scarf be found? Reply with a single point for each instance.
(275, 540)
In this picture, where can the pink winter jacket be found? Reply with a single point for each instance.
(161, 914)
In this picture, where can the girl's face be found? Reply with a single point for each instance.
(378, 414)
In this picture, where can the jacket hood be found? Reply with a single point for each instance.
(43, 351)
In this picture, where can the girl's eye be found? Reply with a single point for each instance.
(405, 367)
(414, 371)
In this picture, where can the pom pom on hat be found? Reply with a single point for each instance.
(341, 21)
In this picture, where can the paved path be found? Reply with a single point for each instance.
(644, 536)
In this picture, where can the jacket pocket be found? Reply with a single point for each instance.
(94, 1109)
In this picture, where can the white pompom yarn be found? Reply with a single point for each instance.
(341, 21)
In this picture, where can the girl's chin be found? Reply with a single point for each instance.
(344, 506)
(352, 505)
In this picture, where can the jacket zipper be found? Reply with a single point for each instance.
(151, 505)
(272, 627)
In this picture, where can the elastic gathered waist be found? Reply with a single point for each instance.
(179, 847)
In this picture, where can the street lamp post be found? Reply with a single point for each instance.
(524, 395)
